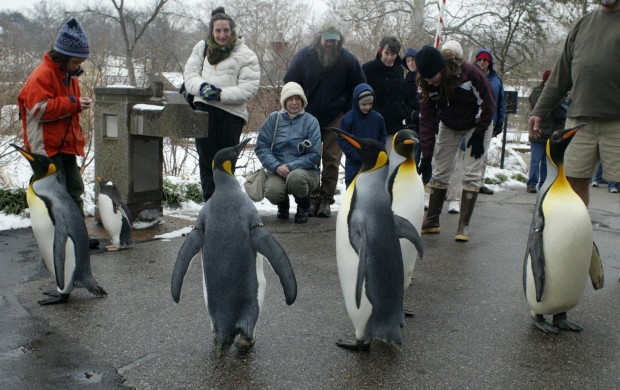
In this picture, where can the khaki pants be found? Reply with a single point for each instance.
(299, 182)
(446, 147)
(331, 155)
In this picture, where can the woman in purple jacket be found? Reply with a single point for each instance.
(458, 95)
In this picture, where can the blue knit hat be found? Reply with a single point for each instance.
(72, 40)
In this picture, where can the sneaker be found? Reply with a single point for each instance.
(613, 190)
(324, 211)
(594, 183)
(531, 189)
(485, 190)
(454, 206)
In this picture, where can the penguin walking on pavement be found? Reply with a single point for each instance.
(560, 251)
(406, 190)
(115, 215)
(234, 243)
(370, 262)
(60, 231)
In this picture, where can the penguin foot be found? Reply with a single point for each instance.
(54, 298)
(543, 325)
(408, 313)
(561, 321)
(244, 344)
(112, 248)
(357, 345)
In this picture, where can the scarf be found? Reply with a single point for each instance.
(218, 53)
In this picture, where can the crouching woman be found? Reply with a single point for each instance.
(288, 146)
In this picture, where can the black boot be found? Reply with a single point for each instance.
(302, 209)
(435, 204)
(283, 209)
(468, 201)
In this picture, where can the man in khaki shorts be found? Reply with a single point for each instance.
(588, 67)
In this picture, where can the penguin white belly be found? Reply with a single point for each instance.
(408, 202)
(204, 290)
(112, 220)
(348, 262)
(44, 231)
(262, 282)
(567, 247)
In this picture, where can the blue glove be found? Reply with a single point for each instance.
(210, 91)
(477, 145)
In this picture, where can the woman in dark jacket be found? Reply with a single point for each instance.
(385, 75)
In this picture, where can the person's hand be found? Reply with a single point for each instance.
(425, 169)
(533, 126)
(210, 91)
(476, 142)
(282, 170)
(85, 102)
(497, 129)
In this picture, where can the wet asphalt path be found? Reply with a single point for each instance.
(471, 327)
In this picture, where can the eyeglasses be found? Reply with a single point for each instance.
(482, 60)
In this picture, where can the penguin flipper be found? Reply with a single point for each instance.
(596, 269)
(361, 267)
(265, 244)
(60, 241)
(406, 230)
(536, 255)
(189, 249)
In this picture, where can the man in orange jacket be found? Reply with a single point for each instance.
(50, 104)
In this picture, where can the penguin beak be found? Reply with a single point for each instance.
(565, 134)
(409, 142)
(23, 152)
(239, 148)
(98, 179)
(348, 137)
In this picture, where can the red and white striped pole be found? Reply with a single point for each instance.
(442, 6)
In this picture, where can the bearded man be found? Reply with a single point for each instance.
(328, 74)
(588, 68)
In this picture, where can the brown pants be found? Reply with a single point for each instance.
(331, 155)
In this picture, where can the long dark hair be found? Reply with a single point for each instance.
(450, 79)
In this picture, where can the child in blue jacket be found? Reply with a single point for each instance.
(361, 121)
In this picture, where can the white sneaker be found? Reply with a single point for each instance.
(613, 190)
(454, 206)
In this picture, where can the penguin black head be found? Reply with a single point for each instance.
(103, 183)
(372, 152)
(404, 142)
(226, 158)
(42, 165)
(558, 142)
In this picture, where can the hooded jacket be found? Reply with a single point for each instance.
(49, 106)
(498, 89)
(412, 105)
(389, 86)
(355, 122)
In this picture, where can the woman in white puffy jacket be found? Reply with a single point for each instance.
(223, 75)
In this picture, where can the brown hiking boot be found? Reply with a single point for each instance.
(324, 210)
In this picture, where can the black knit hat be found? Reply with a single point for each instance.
(429, 61)
(72, 41)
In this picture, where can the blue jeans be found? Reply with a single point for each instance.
(538, 164)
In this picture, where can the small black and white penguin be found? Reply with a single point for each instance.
(370, 262)
(115, 215)
(406, 189)
(234, 243)
(560, 251)
(60, 231)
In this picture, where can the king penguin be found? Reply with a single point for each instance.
(370, 262)
(560, 251)
(60, 231)
(115, 215)
(234, 243)
(406, 189)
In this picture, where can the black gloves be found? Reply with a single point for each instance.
(498, 128)
(477, 145)
(425, 169)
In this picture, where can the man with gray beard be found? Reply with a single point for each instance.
(588, 68)
(328, 74)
